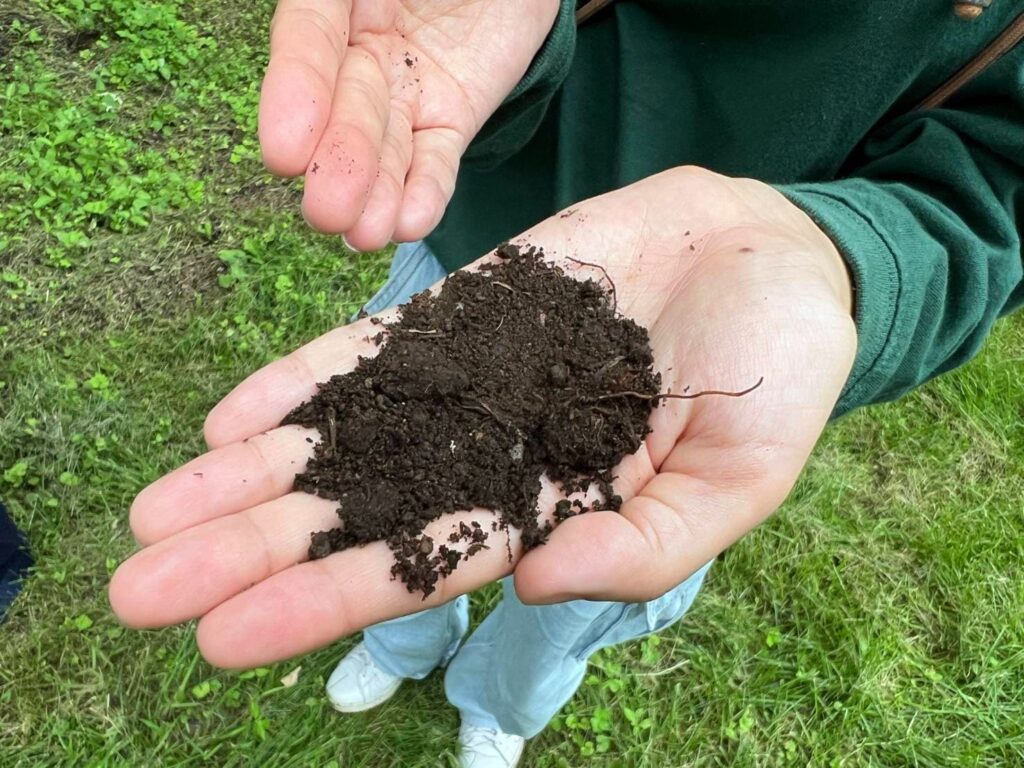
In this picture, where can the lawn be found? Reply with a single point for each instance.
(148, 263)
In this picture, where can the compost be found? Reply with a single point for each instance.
(508, 373)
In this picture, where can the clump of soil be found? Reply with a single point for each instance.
(508, 373)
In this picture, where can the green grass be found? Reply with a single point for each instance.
(148, 263)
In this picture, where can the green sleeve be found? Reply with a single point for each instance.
(513, 124)
(929, 219)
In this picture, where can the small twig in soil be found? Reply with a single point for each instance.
(332, 428)
(615, 300)
(667, 395)
(507, 287)
(609, 365)
(422, 333)
(508, 539)
(481, 407)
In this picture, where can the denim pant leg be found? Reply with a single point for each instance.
(412, 646)
(526, 661)
(414, 268)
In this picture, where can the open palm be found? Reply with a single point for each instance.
(734, 284)
(376, 100)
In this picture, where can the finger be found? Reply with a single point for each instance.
(344, 165)
(226, 480)
(706, 496)
(639, 553)
(315, 603)
(430, 182)
(377, 224)
(261, 401)
(188, 574)
(308, 39)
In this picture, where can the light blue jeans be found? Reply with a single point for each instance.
(524, 662)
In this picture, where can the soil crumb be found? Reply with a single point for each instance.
(509, 373)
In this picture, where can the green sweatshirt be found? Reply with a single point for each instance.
(814, 96)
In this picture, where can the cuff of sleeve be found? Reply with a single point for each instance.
(876, 275)
(518, 116)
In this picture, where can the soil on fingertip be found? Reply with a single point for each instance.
(508, 373)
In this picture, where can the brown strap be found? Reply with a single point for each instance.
(992, 52)
(588, 9)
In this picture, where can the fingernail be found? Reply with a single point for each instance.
(349, 245)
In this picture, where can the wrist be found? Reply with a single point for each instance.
(542, 16)
(836, 270)
(826, 258)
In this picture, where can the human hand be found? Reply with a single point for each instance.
(733, 282)
(375, 102)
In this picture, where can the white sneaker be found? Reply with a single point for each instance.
(488, 748)
(357, 684)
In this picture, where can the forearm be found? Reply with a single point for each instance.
(930, 225)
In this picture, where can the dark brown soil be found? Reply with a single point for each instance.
(508, 373)
(81, 39)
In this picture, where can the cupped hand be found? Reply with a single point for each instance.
(734, 283)
(374, 101)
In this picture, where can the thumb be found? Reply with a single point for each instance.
(674, 525)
